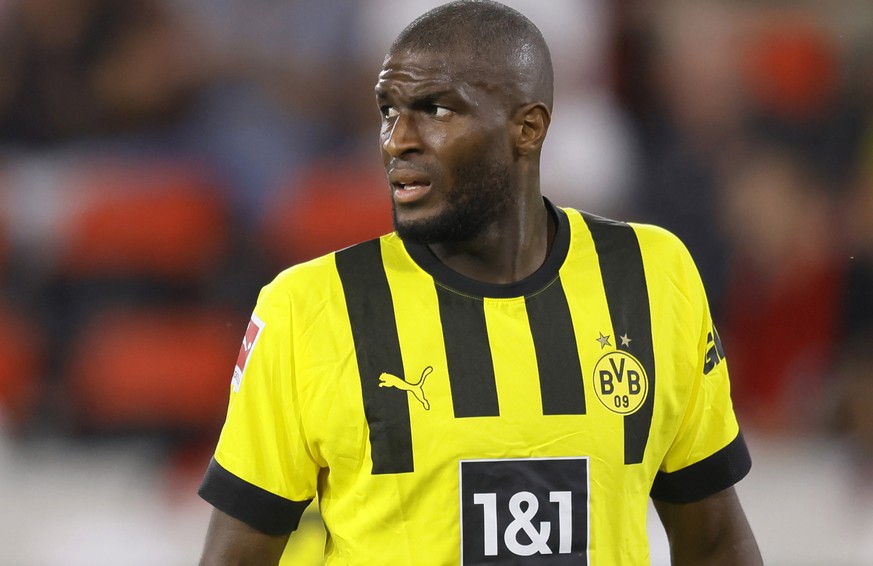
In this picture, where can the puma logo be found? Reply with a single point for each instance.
(417, 388)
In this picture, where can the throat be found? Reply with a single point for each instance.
(500, 256)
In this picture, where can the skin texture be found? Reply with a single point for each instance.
(473, 145)
(469, 143)
(230, 542)
(436, 129)
(711, 532)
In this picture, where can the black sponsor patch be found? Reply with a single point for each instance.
(524, 511)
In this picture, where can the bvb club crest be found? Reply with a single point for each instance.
(620, 382)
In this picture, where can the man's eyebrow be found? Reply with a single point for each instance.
(438, 94)
(421, 92)
(423, 95)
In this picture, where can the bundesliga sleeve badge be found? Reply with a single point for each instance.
(253, 332)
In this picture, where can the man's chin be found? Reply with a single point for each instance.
(439, 229)
(415, 233)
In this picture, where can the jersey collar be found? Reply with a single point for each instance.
(535, 282)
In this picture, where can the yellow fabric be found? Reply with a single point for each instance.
(297, 429)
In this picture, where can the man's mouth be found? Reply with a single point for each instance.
(408, 186)
(407, 194)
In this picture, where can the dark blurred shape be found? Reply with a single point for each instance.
(4, 241)
(79, 68)
(800, 90)
(152, 370)
(853, 387)
(285, 86)
(858, 223)
(690, 114)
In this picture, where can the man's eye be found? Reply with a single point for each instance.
(389, 112)
(441, 112)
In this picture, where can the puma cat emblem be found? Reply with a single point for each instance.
(417, 388)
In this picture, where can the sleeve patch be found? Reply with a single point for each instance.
(714, 351)
(250, 339)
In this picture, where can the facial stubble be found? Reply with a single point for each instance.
(481, 194)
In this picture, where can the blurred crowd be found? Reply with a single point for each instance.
(161, 160)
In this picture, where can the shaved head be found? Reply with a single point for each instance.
(489, 42)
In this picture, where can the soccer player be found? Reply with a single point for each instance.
(501, 380)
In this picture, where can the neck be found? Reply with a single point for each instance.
(509, 250)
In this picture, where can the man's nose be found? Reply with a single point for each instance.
(402, 137)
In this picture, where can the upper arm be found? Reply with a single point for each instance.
(262, 475)
(693, 491)
(713, 531)
(231, 542)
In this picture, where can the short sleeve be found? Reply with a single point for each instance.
(262, 472)
(708, 453)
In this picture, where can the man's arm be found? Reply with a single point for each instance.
(230, 542)
(712, 532)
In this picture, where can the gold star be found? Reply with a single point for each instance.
(625, 341)
(604, 340)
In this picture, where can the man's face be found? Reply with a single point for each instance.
(446, 148)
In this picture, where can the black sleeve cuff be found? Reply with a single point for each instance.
(698, 481)
(258, 508)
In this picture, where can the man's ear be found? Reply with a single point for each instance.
(531, 122)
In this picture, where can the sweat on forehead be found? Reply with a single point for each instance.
(478, 35)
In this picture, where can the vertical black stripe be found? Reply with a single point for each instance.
(377, 347)
(561, 381)
(624, 281)
(468, 355)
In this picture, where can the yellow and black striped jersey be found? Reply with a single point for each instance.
(440, 420)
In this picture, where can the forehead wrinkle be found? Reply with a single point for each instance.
(413, 72)
(454, 70)
(415, 88)
(402, 78)
(423, 68)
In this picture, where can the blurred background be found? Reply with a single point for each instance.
(161, 160)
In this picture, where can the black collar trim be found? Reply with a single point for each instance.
(530, 285)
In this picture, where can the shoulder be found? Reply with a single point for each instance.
(320, 279)
(670, 269)
(665, 258)
(617, 236)
(301, 278)
(659, 242)
(302, 275)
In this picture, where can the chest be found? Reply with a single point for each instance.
(432, 379)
